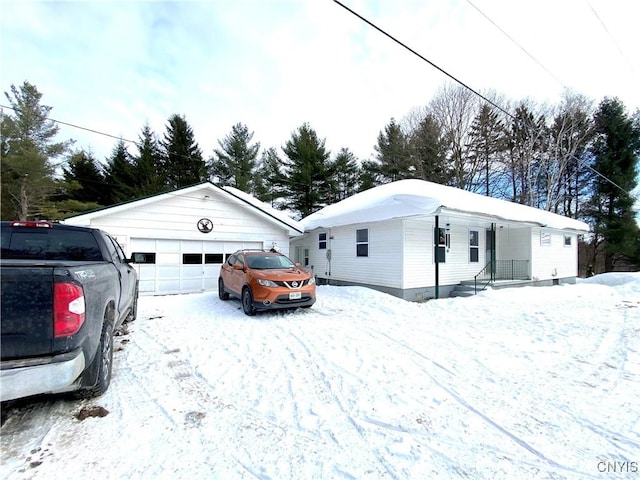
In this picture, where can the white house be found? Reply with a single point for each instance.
(387, 238)
(187, 234)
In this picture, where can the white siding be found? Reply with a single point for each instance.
(553, 260)
(513, 243)
(382, 267)
(168, 226)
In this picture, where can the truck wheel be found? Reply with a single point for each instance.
(99, 372)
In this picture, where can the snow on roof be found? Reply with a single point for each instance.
(265, 207)
(406, 198)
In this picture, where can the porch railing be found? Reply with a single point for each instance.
(501, 270)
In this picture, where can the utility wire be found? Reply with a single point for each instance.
(424, 59)
(517, 44)
(613, 40)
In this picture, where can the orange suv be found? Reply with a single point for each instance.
(265, 280)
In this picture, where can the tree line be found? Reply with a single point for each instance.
(574, 158)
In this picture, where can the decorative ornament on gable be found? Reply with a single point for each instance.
(205, 225)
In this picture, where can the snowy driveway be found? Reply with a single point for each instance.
(528, 383)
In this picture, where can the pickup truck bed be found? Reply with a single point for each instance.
(65, 290)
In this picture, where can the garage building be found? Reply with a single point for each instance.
(185, 235)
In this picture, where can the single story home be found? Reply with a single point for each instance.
(185, 235)
(419, 240)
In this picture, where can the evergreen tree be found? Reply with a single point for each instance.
(85, 182)
(486, 141)
(615, 149)
(429, 150)
(393, 155)
(120, 175)
(148, 165)
(346, 174)
(307, 168)
(183, 165)
(270, 182)
(369, 175)
(234, 163)
(27, 165)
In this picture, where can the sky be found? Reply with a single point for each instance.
(527, 383)
(112, 66)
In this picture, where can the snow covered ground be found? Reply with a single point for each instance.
(532, 383)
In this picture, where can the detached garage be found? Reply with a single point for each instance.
(185, 235)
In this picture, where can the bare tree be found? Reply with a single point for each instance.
(455, 107)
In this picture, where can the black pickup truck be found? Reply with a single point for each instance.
(65, 291)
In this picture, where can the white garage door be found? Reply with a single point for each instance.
(182, 266)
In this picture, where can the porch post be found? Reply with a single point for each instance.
(436, 254)
(493, 252)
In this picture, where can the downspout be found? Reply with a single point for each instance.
(436, 254)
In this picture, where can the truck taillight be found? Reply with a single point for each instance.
(68, 309)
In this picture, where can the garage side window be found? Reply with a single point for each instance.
(322, 241)
(144, 257)
(191, 258)
(213, 258)
(362, 242)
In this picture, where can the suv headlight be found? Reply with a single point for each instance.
(312, 281)
(266, 283)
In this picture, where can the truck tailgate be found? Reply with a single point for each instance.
(26, 312)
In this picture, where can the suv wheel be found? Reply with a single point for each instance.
(247, 302)
(221, 292)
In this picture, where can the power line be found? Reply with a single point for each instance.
(613, 40)
(517, 44)
(425, 59)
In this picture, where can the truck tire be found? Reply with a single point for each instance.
(98, 374)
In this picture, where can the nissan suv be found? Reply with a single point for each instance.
(265, 280)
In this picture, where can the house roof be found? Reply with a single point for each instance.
(241, 198)
(406, 198)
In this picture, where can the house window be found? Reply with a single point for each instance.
(322, 241)
(213, 258)
(306, 257)
(567, 240)
(191, 258)
(362, 242)
(441, 242)
(474, 246)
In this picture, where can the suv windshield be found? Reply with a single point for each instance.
(268, 262)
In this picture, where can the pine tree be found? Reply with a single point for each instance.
(29, 153)
(346, 175)
(148, 165)
(393, 155)
(85, 181)
(120, 174)
(234, 163)
(615, 149)
(270, 182)
(429, 150)
(309, 188)
(487, 139)
(183, 165)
